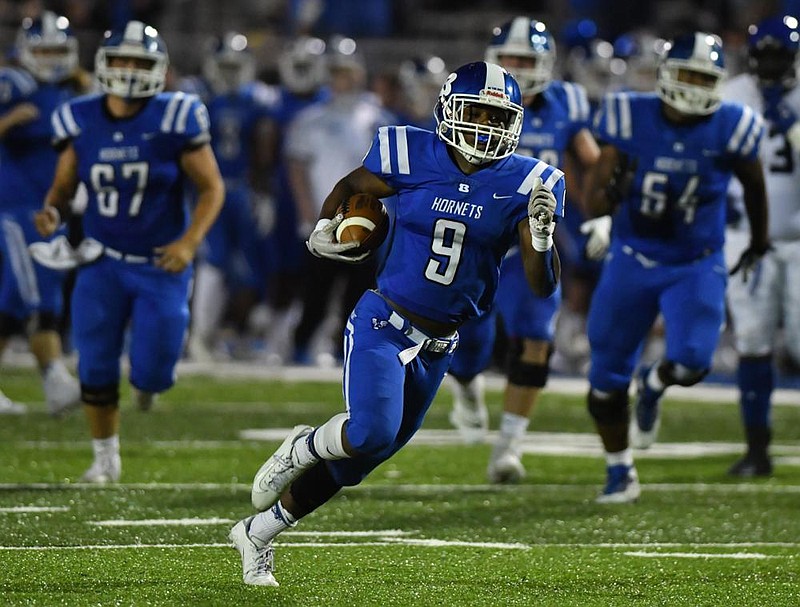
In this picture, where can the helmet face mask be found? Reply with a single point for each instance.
(47, 47)
(118, 75)
(773, 46)
(526, 39)
(479, 112)
(691, 73)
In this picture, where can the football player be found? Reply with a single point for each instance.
(30, 294)
(464, 199)
(133, 147)
(234, 255)
(555, 124)
(665, 163)
(759, 307)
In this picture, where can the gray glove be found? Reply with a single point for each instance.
(321, 243)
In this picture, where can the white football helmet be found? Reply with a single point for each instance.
(139, 41)
(302, 66)
(698, 52)
(47, 48)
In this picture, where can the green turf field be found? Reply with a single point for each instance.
(423, 530)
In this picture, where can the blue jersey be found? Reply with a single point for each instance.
(451, 230)
(674, 211)
(552, 120)
(27, 159)
(234, 117)
(131, 167)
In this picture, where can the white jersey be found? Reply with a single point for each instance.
(331, 138)
(781, 162)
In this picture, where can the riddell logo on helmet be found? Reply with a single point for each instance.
(494, 93)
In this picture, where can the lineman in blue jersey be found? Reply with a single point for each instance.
(133, 147)
(666, 161)
(234, 256)
(464, 199)
(31, 295)
(555, 124)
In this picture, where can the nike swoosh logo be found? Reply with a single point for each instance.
(496, 197)
(148, 135)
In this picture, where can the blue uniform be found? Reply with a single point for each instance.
(549, 125)
(666, 250)
(450, 235)
(234, 243)
(27, 162)
(136, 203)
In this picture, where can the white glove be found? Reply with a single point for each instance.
(321, 243)
(599, 231)
(58, 254)
(541, 210)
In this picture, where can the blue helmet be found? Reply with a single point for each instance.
(485, 84)
(47, 48)
(135, 41)
(772, 47)
(230, 63)
(640, 50)
(527, 38)
(698, 53)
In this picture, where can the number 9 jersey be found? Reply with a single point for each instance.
(445, 263)
(131, 167)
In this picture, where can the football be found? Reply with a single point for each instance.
(365, 221)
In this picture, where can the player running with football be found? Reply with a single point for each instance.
(463, 199)
(134, 147)
(666, 161)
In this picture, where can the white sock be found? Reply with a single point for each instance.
(265, 526)
(55, 366)
(620, 457)
(653, 380)
(208, 300)
(513, 426)
(105, 447)
(327, 438)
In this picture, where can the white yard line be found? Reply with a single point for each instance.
(701, 555)
(33, 509)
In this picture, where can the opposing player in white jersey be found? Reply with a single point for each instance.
(463, 199)
(771, 298)
(665, 164)
(556, 124)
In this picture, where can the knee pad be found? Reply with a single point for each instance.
(9, 325)
(529, 375)
(100, 396)
(671, 373)
(315, 487)
(608, 408)
(42, 321)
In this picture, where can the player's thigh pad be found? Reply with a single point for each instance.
(100, 312)
(159, 319)
(693, 307)
(524, 314)
(623, 309)
(475, 346)
(755, 308)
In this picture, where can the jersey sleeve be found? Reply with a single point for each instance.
(745, 138)
(578, 107)
(612, 123)
(15, 87)
(65, 123)
(389, 157)
(186, 118)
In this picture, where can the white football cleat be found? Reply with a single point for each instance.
(62, 391)
(9, 407)
(257, 563)
(505, 466)
(279, 471)
(469, 414)
(103, 471)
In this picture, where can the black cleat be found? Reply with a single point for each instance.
(751, 466)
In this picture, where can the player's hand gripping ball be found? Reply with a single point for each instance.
(364, 220)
